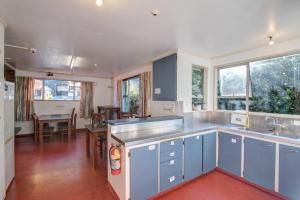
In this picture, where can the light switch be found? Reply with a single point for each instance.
(157, 91)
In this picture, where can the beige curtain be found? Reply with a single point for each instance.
(24, 98)
(119, 93)
(86, 100)
(145, 92)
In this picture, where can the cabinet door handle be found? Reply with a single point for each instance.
(172, 154)
(172, 179)
(172, 162)
(197, 137)
(172, 143)
(292, 151)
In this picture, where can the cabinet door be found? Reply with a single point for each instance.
(192, 157)
(260, 162)
(165, 79)
(209, 152)
(143, 172)
(230, 150)
(289, 176)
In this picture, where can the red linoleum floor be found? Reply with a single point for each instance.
(61, 171)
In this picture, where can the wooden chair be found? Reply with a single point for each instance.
(61, 124)
(63, 129)
(47, 130)
(126, 115)
(97, 121)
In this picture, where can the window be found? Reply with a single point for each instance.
(232, 88)
(273, 86)
(131, 95)
(198, 89)
(56, 90)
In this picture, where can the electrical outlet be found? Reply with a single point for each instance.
(297, 122)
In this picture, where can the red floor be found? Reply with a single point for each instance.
(61, 171)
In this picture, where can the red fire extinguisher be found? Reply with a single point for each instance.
(115, 159)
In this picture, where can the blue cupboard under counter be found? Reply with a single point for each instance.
(183, 150)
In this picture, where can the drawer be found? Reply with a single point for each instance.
(171, 145)
(171, 154)
(170, 167)
(167, 182)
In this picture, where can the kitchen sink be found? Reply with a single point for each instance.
(270, 132)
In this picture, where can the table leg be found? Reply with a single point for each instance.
(95, 154)
(69, 130)
(87, 139)
(41, 138)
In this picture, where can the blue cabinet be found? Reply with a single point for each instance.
(209, 152)
(170, 163)
(192, 157)
(260, 162)
(165, 79)
(230, 150)
(289, 176)
(144, 172)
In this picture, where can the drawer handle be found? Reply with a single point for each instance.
(292, 151)
(172, 179)
(151, 147)
(172, 143)
(198, 137)
(172, 154)
(172, 162)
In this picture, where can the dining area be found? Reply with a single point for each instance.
(96, 131)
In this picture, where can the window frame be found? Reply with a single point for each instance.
(43, 90)
(205, 74)
(248, 87)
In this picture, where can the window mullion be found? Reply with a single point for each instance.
(247, 86)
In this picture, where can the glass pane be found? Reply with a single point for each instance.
(38, 89)
(232, 103)
(77, 90)
(197, 88)
(131, 95)
(275, 85)
(232, 81)
(59, 90)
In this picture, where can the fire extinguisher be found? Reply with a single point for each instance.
(115, 159)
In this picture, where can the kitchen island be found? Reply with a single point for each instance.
(160, 153)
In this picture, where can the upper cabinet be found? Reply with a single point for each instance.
(165, 79)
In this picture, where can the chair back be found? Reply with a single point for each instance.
(35, 124)
(126, 115)
(75, 121)
(96, 119)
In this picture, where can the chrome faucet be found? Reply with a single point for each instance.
(277, 127)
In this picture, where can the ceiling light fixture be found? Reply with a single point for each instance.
(99, 2)
(72, 62)
(271, 41)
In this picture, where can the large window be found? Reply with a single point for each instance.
(232, 88)
(273, 86)
(198, 89)
(56, 90)
(131, 95)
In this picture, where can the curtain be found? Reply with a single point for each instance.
(86, 100)
(119, 93)
(24, 98)
(145, 92)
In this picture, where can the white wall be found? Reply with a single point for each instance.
(185, 62)
(102, 96)
(2, 143)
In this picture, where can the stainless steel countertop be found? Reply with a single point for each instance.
(129, 139)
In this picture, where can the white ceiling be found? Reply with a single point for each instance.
(122, 34)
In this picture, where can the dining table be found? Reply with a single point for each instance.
(50, 118)
(92, 134)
